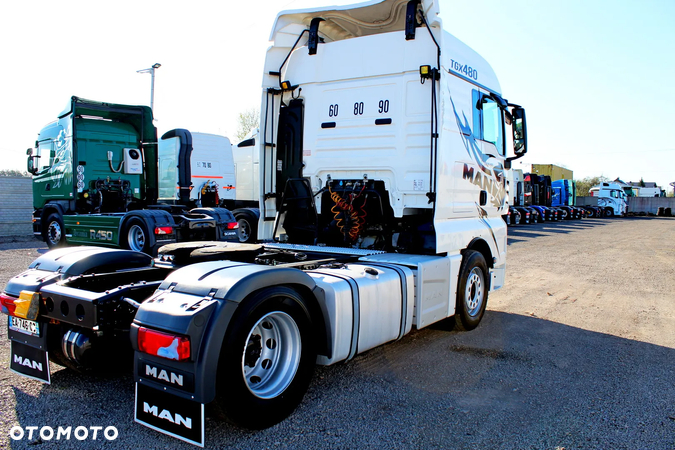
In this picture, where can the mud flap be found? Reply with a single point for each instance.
(170, 414)
(29, 361)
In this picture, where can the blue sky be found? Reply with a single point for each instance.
(596, 77)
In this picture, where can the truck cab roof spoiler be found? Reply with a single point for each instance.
(361, 19)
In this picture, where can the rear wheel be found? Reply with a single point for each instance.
(472, 291)
(137, 236)
(247, 231)
(267, 359)
(54, 233)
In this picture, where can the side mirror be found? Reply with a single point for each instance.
(519, 127)
(31, 164)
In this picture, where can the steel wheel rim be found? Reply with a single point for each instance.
(54, 232)
(271, 355)
(244, 230)
(473, 292)
(136, 238)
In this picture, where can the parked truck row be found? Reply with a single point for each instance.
(381, 171)
(535, 198)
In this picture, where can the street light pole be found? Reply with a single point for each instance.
(151, 71)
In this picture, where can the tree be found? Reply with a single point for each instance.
(246, 122)
(585, 185)
(14, 173)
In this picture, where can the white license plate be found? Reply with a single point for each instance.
(24, 326)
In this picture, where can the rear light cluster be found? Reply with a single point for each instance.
(232, 225)
(163, 230)
(26, 306)
(164, 345)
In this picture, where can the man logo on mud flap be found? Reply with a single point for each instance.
(28, 363)
(167, 415)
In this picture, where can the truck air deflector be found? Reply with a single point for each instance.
(184, 165)
(349, 21)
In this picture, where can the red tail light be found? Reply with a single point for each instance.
(232, 225)
(164, 345)
(7, 305)
(163, 230)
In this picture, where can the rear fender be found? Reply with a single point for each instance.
(67, 262)
(199, 301)
(152, 218)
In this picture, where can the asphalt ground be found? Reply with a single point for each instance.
(576, 351)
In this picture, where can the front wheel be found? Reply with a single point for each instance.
(472, 291)
(267, 359)
(54, 234)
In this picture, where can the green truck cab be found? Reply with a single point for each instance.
(95, 182)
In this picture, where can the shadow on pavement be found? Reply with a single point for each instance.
(515, 382)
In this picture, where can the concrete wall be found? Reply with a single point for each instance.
(650, 204)
(587, 201)
(636, 204)
(16, 206)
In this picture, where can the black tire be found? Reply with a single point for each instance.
(248, 228)
(609, 212)
(54, 232)
(472, 291)
(136, 236)
(261, 383)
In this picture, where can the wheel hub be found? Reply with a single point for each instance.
(474, 292)
(54, 232)
(272, 355)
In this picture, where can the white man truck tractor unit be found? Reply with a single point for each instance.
(382, 180)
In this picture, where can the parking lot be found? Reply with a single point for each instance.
(577, 351)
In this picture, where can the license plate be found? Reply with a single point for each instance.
(25, 326)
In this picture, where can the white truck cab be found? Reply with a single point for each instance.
(194, 166)
(393, 129)
(611, 197)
